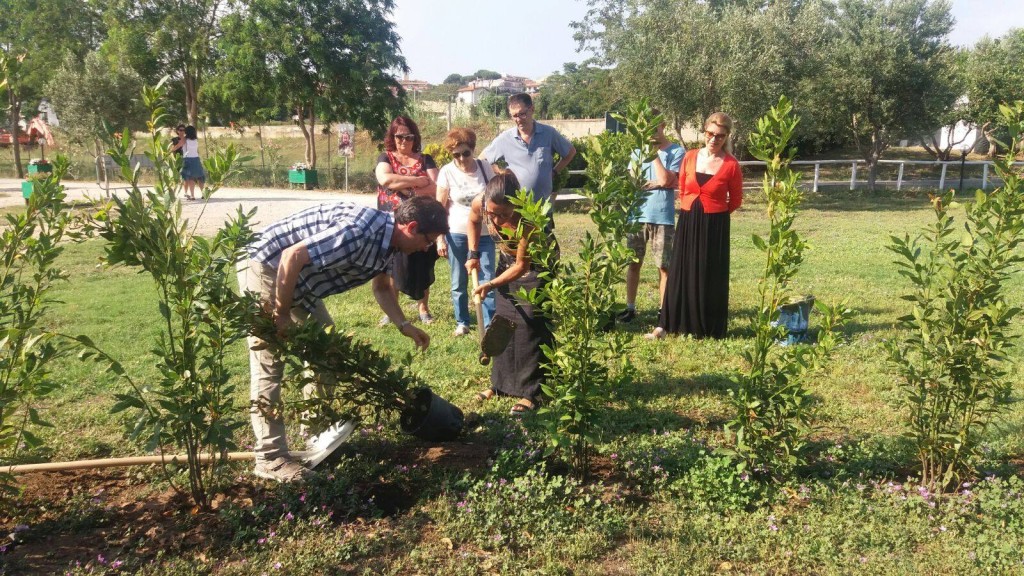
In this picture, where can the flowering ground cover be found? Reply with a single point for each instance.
(658, 501)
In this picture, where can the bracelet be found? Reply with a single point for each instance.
(473, 255)
(402, 326)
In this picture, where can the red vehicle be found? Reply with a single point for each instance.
(24, 138)
(36, 130)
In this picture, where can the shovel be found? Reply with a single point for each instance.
(479, 304)
(496, 337)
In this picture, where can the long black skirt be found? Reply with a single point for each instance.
(414, 273)
(517, 371)
(697, 291)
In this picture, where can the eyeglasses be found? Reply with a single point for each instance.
(715, 135)
(522, 114)
(405, 137)
(463, 154)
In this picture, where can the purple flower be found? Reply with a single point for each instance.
(101, 559)
(614, 456)
(289, 516)
(116, 564)
(277, 565)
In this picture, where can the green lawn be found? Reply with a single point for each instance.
(652, 508)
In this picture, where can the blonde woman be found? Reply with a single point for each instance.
(696, 300)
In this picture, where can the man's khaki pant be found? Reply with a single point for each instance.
(265, 373)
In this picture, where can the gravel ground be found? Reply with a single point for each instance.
(272, 203)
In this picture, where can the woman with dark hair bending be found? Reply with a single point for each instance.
(696, 297)
(517, 371)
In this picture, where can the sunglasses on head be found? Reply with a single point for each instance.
(405, 137)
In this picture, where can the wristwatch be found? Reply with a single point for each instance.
(473, 255)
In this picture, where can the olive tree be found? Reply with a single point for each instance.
(330, 58)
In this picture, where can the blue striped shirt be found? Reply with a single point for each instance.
(348, 245)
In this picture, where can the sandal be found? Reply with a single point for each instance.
(426, 318)
(657, 334)
(485, 395)
(522, 407)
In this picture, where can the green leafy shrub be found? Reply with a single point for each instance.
(771, 403)
(441, 155)
(579, 298)
(953, 360)
(30, 243)
(191, 407)
(349, 378)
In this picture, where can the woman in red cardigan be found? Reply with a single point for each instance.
(710, 188)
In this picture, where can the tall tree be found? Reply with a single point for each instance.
(35, 35)
(579, 91)
(169, 38)
(692, 58)
(889, 71)
(994, 73)
(332, 58)
(86, 95)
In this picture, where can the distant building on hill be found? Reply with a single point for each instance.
(412, 86)
(477, 89)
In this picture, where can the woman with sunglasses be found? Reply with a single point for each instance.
(696, 298)
(458, 183)
(403, 172)
(179, 135)
(518, 371)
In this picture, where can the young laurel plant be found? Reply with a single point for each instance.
(579, 298)
(953, 360)
(190, 408)
(30, 243)
(771, 403)
(345, 378)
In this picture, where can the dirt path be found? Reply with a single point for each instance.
(272, 203)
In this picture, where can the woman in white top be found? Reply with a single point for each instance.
(192, 167)
(458, 183)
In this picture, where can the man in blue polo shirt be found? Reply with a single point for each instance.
(293, 265)
(529, 148)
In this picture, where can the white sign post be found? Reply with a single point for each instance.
(346, 145)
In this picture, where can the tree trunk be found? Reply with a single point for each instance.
(877, 147)
(192, 98)
(300, 113)
(312, 137)
(16, 131)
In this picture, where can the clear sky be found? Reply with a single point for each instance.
(532, 38)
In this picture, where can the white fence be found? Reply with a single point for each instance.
(854, 164)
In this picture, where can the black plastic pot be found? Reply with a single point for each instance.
(430, 417)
